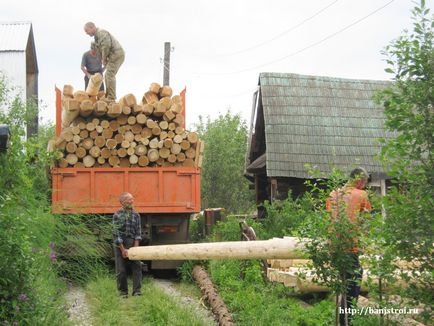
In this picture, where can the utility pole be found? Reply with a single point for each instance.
(166, 64)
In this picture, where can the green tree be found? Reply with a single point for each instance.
(409, 110)
(223, 182)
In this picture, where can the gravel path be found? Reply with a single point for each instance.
(200, 310)
(78, 309)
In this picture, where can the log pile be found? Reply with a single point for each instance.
(101, 133)
(298, 275)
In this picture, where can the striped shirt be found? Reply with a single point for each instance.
(126, 224)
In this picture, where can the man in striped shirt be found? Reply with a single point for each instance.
(126, 234)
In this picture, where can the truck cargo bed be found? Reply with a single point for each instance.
(96, 190)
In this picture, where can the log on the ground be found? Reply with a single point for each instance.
(302, 279)
(211, 295)
(288, 247)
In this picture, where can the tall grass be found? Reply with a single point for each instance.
(35, 244)
(153, 308)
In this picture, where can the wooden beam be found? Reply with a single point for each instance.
(286, 248)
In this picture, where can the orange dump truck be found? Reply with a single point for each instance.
(164, 197)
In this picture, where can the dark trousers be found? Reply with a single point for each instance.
(86, 81)
(353, 289)
(121, 270)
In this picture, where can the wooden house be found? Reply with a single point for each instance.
(301, 121)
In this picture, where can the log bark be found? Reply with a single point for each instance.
(138, 108)
(71, 147)
(86, 108)
(95, 151)
(84, 134)
(68, 90)
(131, 120)
(111, 143)
(94, 84)
(80, 96)
(143, 160)
(71, 159)
(141, 118)
(113, 125)
(100, 141)
(153, 155)
(122, 119)
(114, 161)
(212, 297)
(154, 88)
(100, 108)
(88, 161)
(118, 138)
(185, 144)
(87, 143)
(166, 91)
(105, 153)
(192, 137)
(164, 152)
(122, 152)
(80, 152)
(114, 110)
(140, 150)
(136, 129)
(134, 159)
(175, 149)
(149, 98)
(150, 123)
(148, 109)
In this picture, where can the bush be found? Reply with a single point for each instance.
(37, 246)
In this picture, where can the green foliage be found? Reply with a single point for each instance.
(154, 307)
(37, 247)
(223, 182)
(30, 293)
(330, 239)
(82, 246)
(408, 104)
(251, 302)
(284, 217)
(229, 228)
(197, 228)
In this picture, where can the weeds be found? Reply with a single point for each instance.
(154, 307)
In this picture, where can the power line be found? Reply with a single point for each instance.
(275, 37)
(303, 49)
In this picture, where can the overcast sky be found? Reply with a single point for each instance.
(219, 47)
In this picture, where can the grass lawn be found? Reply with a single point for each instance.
(154, 307)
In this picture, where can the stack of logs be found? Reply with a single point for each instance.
(97, 132)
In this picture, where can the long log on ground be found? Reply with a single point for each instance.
(288, 247)
(210, 293)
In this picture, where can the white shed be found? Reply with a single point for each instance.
(18, 62)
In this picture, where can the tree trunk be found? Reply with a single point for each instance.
(288, 247)
(212, 297)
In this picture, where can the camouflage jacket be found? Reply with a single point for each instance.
(106, 44)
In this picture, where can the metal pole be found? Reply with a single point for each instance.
(166, 64)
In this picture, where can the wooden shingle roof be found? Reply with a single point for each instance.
(320, 121)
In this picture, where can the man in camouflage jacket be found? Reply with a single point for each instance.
(112, 55)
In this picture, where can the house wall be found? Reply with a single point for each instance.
(13, 66)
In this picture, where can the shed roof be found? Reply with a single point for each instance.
(14, 36)
(320, 121)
